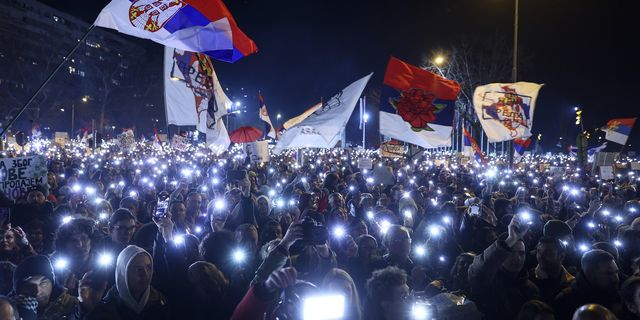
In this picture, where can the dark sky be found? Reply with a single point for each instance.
(584, 51)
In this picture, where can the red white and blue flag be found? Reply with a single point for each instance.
(618, 130)
(471, 143)
(520, 146)
(269, 131)
(417, 105)
(204, 26)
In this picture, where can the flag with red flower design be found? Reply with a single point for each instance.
(418, 105)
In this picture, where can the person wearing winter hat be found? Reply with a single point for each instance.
(132, 297)
(36, 293)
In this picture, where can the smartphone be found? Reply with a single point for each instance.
(161, 209)
(475, 209)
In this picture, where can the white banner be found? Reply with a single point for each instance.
(18, 176)
(506, 110)
(322, 128)
(258, 151)
(393, 126)
(127, 140)
(180, 143)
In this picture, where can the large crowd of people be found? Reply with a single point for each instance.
(154, 233)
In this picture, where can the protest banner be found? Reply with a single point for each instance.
(606, 173)
(180, 143)
(389, 150)
(127, 140)
(258, 151)
(18, 176)
(61, 138)
(365, 163)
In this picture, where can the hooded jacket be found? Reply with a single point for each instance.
(119, 303)
(61, 304)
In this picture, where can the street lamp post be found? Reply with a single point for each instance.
(365, 119)
(514, 67)
(278, 121)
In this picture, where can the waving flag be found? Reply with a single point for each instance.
(520, 145)
(417, 105)
(506, 110)
(323, 128)
(204, 26)
(469, 141)
(618, 130)
(269, 131)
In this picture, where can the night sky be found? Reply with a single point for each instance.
(584, 51)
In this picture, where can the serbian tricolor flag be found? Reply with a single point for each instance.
(417, 106)
(204, 26)
(269, 131)
(469, 141)
(618, 130)
(519, 146)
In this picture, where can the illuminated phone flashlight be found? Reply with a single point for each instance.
(442, 258)
(339, 232)
(370, 215)
(632, 209)
(408, 214)
(76, 188)
(198, 229)
(239, 256)
(292, 202)
(280, 203)
(370, 180)
(618, 218)
(61, 264)
(434, 230)
(133, 194)
(606, 213)
(617, 243)
(66, 219)
(283, 180)
(406, 194)
(121, 183)
(446, 219)
(526, 217)
(583, 247)
(420, 250)
(574, 192)
(103, 216)
(439, 191)
(323, 307)
(565, 188)
(178, 240)
(219, 204)
(105, 259)
(384, 226)
(138, 171)
(304, 180)
(420, 311)
(565, 243)
(351, 188)
(502, 183)
(591, 225)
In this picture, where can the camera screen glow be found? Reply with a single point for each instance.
(323, 307)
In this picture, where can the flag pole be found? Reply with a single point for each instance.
(35, 94)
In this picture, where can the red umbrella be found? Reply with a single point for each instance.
(245, 134)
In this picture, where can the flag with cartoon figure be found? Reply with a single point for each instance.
(505, 110)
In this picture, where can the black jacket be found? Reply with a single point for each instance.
(499, 294)
(582, 292)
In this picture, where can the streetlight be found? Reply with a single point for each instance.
(439, 60)
(84, 99)
(365, 118)
(278, 120)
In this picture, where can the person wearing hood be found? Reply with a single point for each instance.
(499, 283)
(36, 293)
(132, 297)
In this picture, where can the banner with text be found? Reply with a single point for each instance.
(18, 176)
